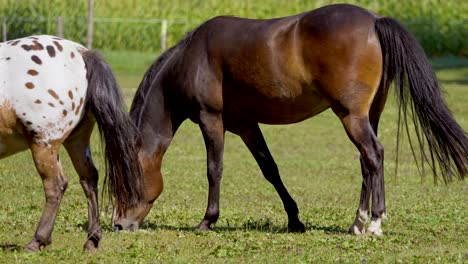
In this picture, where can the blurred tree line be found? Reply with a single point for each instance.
(440, 26)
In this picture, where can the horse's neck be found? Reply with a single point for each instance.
(148, 107)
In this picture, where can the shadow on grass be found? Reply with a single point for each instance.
(330, 230)
(256, 226)
(10, 247)
(249, 226)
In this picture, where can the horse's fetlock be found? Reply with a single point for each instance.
(42, 240)
(212, 215)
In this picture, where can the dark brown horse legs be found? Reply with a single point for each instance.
(211, 125)
(80, 155)
(254, 140)
(361, 133)
(362, 214)
(48, 165)
(83, 163)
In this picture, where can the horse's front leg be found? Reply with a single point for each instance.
(253, 139)
(211, 125)
(48, 165)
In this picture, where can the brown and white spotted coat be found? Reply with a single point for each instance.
(42, 91)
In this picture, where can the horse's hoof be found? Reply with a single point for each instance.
(296, 227)
(377, 232)
(203, 228)
(32, 247)
(357, 229)
(91, 245)
(375, 227)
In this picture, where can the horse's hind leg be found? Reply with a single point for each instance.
(77, 146)
(361, 133)
(253, 138)
(362, 214)
(363, 210)
(48, 165)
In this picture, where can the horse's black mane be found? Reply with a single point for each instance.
(145, 85)
(141, 94)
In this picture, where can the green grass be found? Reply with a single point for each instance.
(320, 167)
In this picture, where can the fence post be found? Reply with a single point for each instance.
(163, 34)
(59, 27)
(89, 36)
(4, 29)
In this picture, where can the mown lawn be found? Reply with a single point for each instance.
(320, 167)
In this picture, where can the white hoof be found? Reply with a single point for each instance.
(375, 228)
(357, 229)
(377, 232)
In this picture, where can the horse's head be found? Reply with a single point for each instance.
(131, 218)
(155, 133)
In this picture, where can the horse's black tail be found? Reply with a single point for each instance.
(124, 176)
(420, 96)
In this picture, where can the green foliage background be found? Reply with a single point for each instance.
(440, 26)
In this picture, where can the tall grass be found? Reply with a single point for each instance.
(440, 26)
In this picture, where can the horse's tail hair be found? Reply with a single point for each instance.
(420, 96)
(124, 176)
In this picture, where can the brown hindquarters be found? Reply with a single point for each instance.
(345, 58)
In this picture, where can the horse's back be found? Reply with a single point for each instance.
(285, 66)
(43, 85)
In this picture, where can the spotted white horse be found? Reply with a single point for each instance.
(52, 92)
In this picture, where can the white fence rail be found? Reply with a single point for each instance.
(60, 31)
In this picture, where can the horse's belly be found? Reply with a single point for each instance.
(12, 139)
(287, 112)
(12, 143)
(284, 106)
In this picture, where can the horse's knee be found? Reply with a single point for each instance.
(62, 183)
(215, 172)
(54, 188)
(379, 151)
(271, 173)
(89, 186)
(88, 175)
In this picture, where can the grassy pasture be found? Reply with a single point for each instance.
(319, 165)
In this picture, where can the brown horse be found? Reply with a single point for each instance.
(231, 74)
(52, 92)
